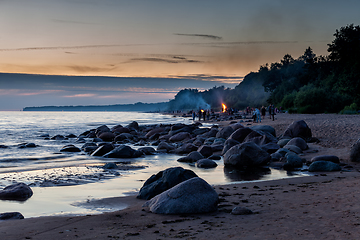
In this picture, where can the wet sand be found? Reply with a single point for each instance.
(324, 206)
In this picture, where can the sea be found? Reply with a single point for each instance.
(75, 183)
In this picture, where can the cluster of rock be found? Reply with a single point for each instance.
(241, 147)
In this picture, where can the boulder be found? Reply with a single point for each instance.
(163, 181)
(270, 147)
(71, 136)
(186, 148)
(133, 125)
(123, 151)
(205, 150)
(236, 126)
(201, 131)
(229, 144)
(155, 131)
(324, 166)
(120, 130)
(355, 152)
(329, 158)
(101, 129)
(89, 147)
(283, 142)
(299, 142)
(107, 136)
(264, 128)
(211, 133)
(217, 147)
(165, 146)
(58, 137)
(275, 157)
(282, 151)
(240, 134)
(180, 137)
(192, 196)
(191, 157)
(293, 161)
(11, 216)
(225, 132)
(206, 163)
(123, 136)
(293, 148)
(70, 148)
(18, 192)
(298, 129)
(245, 155)
(147, 150)
(103, 149)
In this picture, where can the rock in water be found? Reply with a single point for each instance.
(206, 163)
(163, 181)
(246, 154)
(192, 196)
(18, 192)
(123, 151)
(324, 166)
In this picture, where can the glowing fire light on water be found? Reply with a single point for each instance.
(224, 108)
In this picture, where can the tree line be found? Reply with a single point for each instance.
(307, 84)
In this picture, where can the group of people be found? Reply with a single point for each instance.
(258, 113)
(205, 114)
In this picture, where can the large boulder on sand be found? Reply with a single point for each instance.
(192, 196)
(329, 158)
(163, 181)
(299, 142)
(298, 129)
(324, 166)
(18, 192)
(355, 152)
(245, 155)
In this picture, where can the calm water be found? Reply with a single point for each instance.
(62, 183)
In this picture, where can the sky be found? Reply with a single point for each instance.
(188, 43)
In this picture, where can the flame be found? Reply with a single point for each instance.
(224, 108)
(202, 110)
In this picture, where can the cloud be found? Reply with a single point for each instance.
(84, 95)
(20, 92)
(213, 37)
(174, 59)
(87, 69)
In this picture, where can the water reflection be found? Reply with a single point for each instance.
(237, 175)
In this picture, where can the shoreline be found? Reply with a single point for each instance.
(292, 208)
(319, 206)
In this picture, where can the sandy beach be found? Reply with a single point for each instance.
(323, 206)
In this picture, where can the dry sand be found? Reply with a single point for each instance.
(323, 206)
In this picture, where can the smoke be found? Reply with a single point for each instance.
(188, 99)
